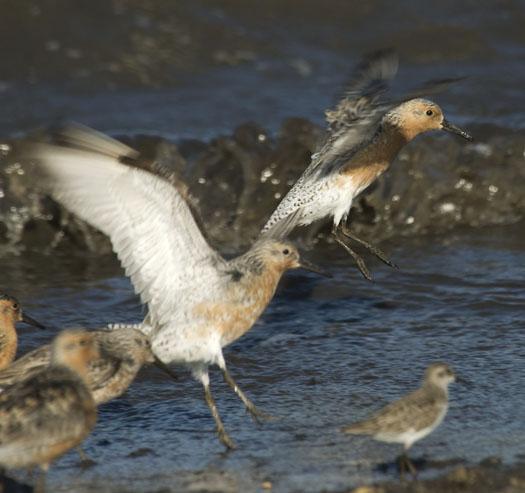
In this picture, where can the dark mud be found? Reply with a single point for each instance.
(437, 184)
(489, 476)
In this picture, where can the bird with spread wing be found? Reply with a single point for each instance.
(198, 302)
(364, 135)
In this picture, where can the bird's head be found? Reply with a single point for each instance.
(12, 312)
(75, 349)
(440, 374)
(419, 115)
(283, 255)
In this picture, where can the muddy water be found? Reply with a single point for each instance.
(327, 351)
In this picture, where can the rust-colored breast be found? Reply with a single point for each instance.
(8, 346)
(245, 301)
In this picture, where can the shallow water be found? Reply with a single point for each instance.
(325, 353)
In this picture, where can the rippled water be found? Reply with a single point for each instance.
(325, 353)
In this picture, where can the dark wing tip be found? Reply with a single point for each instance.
(369, 81)
(379, 65)
(433, 86)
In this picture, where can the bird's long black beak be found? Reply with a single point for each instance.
(165, 368)
(31, 321)
(449, 127)
(463, 381)
(304, 264)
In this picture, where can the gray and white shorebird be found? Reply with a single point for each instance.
(412, 417)
(198, 302)
(363, 137)
(47, 414)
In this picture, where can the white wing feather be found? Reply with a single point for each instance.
(150, 226)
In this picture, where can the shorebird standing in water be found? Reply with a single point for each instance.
(10, 313)
(364, 136)
(123, 352)
(412, 417)
(44, 416)
(198, 302)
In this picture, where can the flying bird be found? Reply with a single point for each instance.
(364, 135)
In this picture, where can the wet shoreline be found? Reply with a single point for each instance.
(231, 97)
(436, 185)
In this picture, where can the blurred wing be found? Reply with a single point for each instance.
(369, 82)
(429, 88)
(150, 225)
(355, 118)
(351, 125)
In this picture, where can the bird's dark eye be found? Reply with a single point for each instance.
(286, 251)
(15, 306)
(430, 112)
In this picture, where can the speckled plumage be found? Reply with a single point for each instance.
(123, 352)
(47, 414)
(413, 416)
(198, 302)
(364, 135)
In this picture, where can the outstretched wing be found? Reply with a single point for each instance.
(148, 221)
(354, 120)
(351, 124)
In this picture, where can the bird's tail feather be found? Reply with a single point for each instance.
(359, 428)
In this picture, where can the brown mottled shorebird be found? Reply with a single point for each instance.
(364, 136)
(44, 416)
(198, 302)
(412, 417)
(11, 313)
(123, 352)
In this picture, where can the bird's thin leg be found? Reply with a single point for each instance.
(375, 250)
(221, 431)
(406, 463)
(85, 460)
(411, 467)
(255, 412)
(40, 486)
(402, 466)
(357, 258)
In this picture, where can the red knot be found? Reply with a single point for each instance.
(364, 136)
(198, 302)
(412, 417)
(51, 412)
(123, 352)
(10, 313)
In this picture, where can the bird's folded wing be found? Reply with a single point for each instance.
(150, 225)
(26, 366)
(40, 407)
(415, 410)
